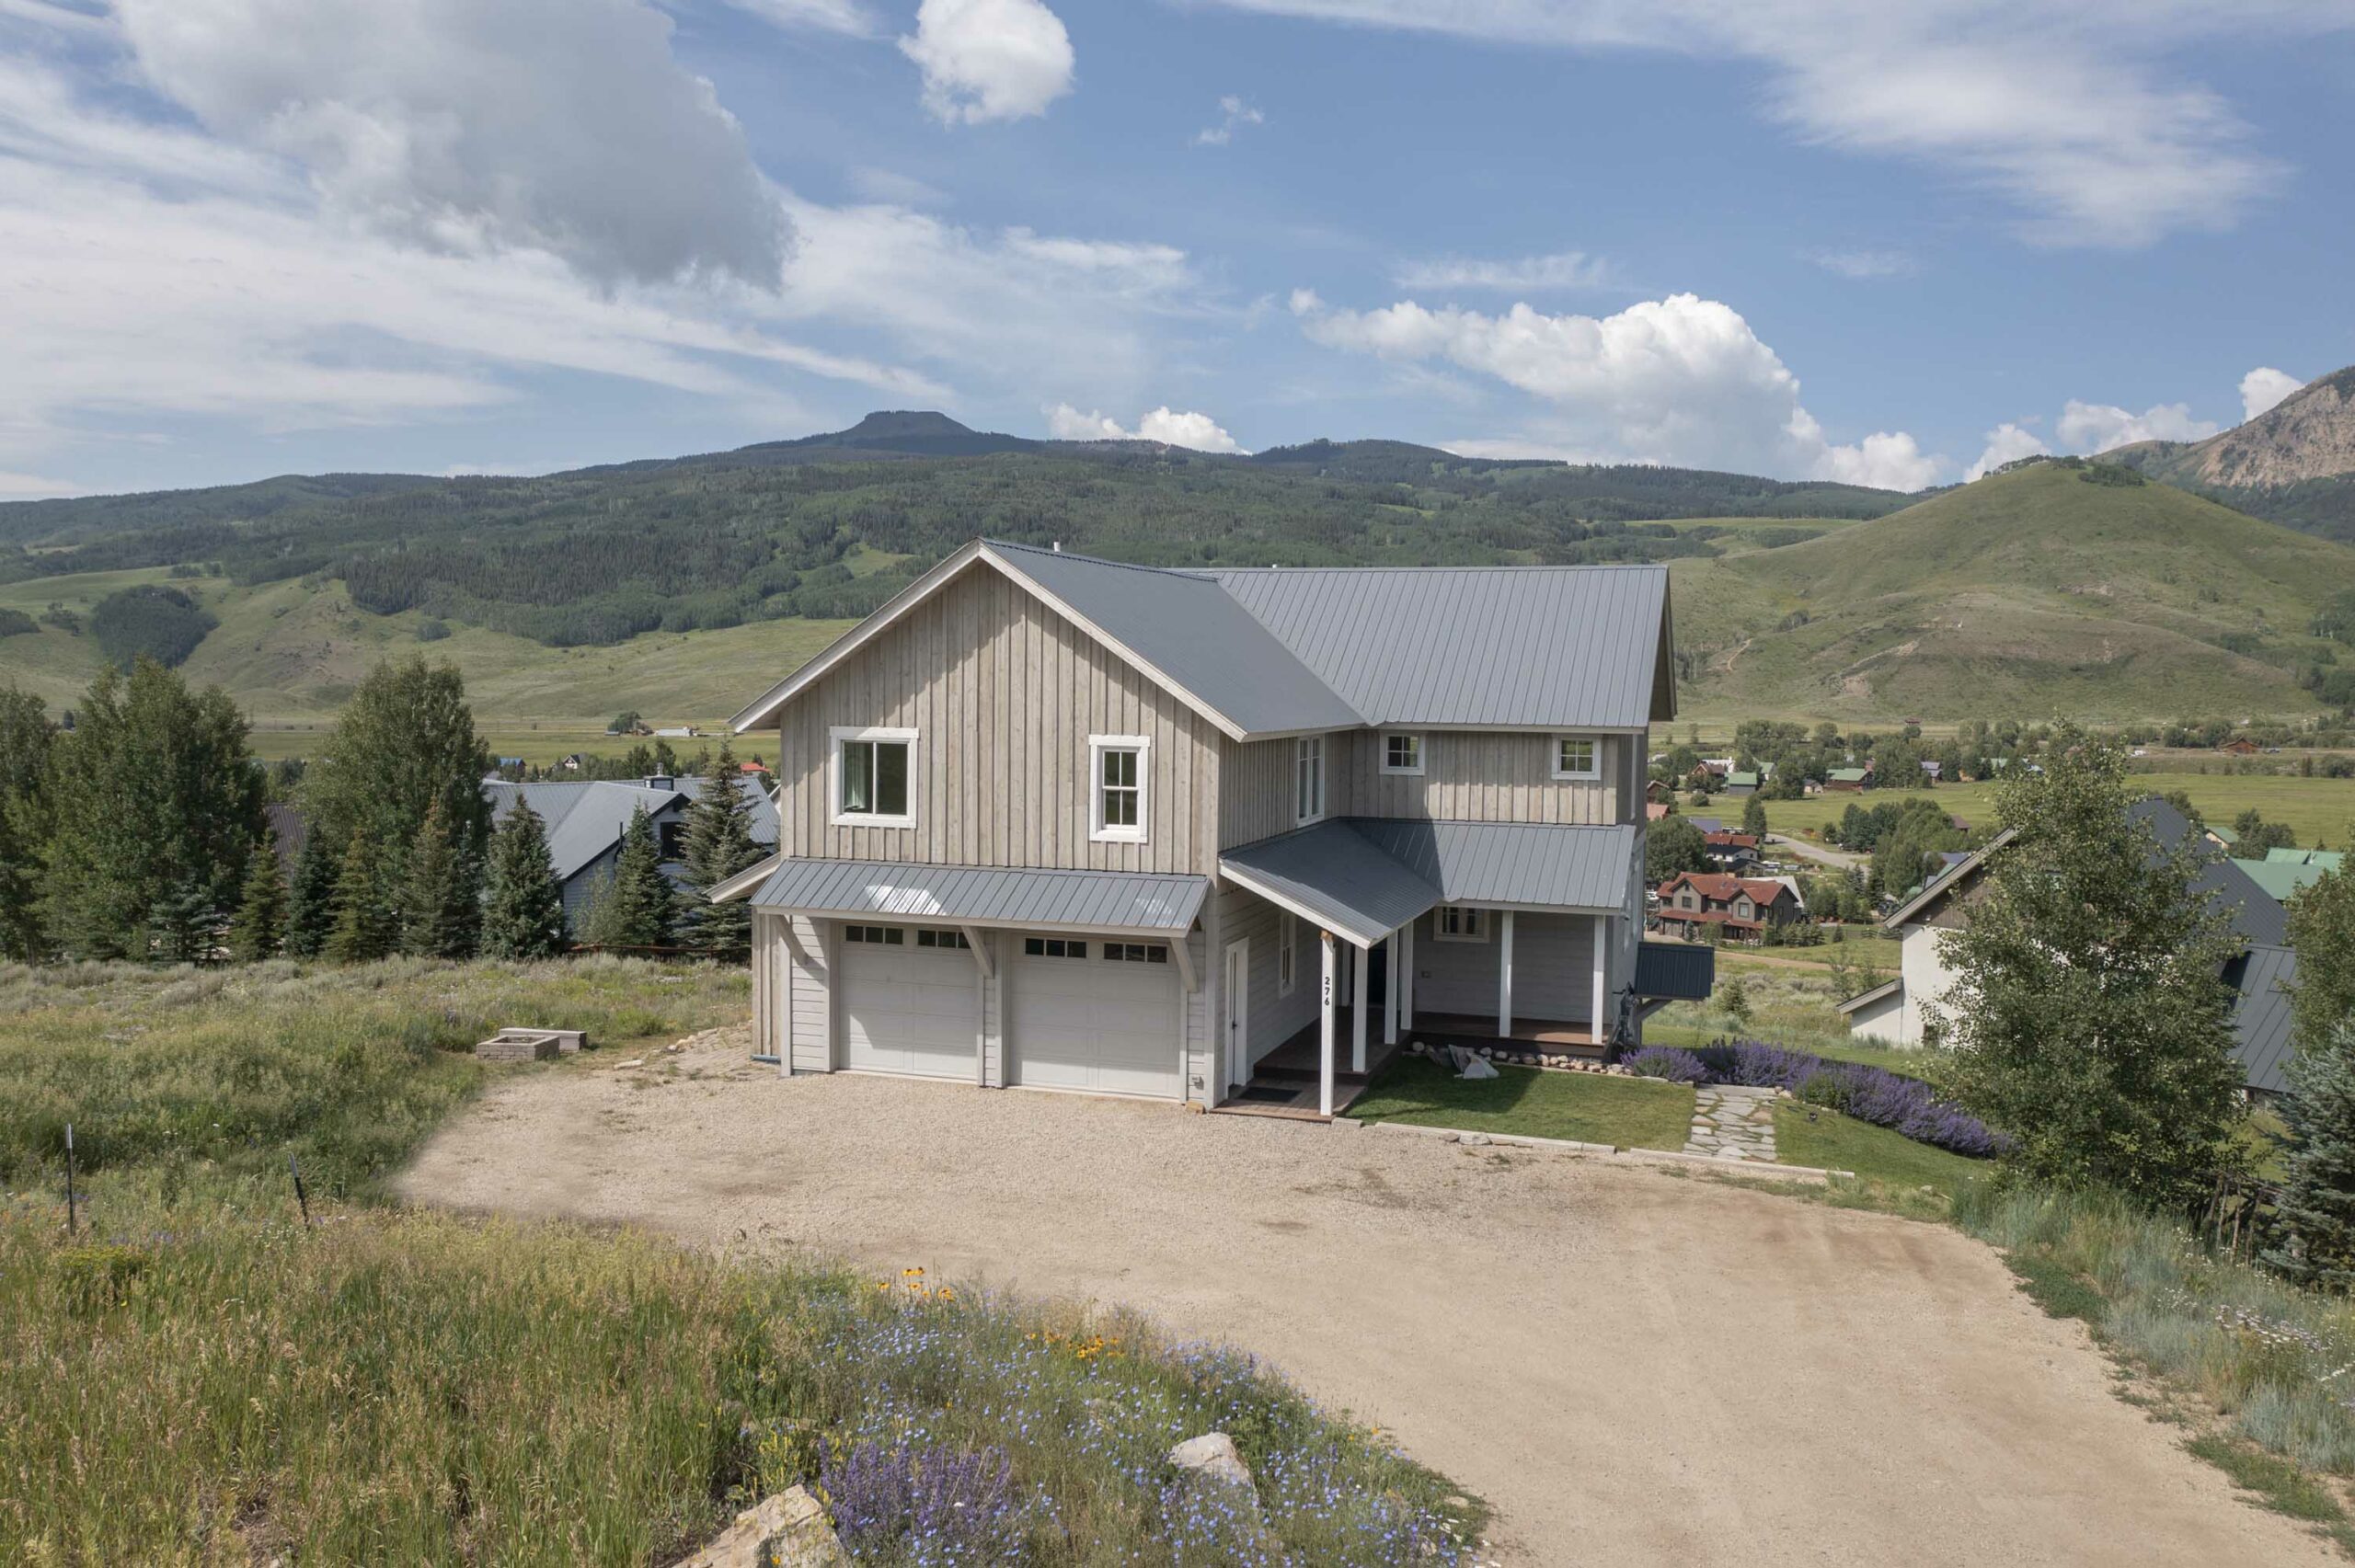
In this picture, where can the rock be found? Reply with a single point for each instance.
(1478, 1068)
(1212, 1457)
(633, 1061)
(785, 1530)
(1476, 1140)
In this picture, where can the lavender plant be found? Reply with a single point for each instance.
(1903, 1105)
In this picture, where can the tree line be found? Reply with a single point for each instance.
(143, 833)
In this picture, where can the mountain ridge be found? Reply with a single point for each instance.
(2294, 464)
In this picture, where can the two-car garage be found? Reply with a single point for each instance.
(1096, 1014)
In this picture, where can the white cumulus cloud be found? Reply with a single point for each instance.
(1233, 114)
(2264, 387)
(2007, 442)
(2099, 427)
(1524, 274)
(558, 125)
(1680, 380)
(985, 59)
(1197, 431)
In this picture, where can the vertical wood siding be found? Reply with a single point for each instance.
(1493, 776)
(810, 1011)
(1003, 693)
(1552, 973)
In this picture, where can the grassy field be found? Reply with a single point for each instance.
(1583, 1107)
(198, 1377)
(2314, 809)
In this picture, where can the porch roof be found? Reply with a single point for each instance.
(1363, 877)
(985, 895)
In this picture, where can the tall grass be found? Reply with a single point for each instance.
(2277, 1362)
(209, 1381)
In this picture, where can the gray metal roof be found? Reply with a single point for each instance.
(587, 818)
(2261, 1017)
(2257, 916)
(1185, 626)
(1537, 646)
(1079, 901)
(1676, 971)
(1363, 877)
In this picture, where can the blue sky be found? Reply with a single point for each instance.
(1835, 238)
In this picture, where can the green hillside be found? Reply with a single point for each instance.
(2026, 593)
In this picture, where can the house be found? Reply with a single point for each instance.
(1690, 902)
(1932, 769)
(2283, 872)
(1223, 837)
(1658, 810)
(677, 732)
(585, 820)
(1847, 781)
(1659, 791)
(1740, 782)
(2239, 745)
(571, 762)
(1893, 1011)
(1729, 852)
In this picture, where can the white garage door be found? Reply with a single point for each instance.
(1095, 1015)
(911, 1002)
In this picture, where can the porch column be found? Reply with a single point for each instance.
(1390, 945)
(1358, 964)
(1407, 979)
(1327, 1001)
(1602, 926)
(1504, 975)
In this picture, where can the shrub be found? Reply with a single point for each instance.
(1668, 1062)
(1873, 1094)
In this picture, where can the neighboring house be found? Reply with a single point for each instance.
(1739, 783)
(2239, 745)
(1729, 852)
(1212, 836)
(1933, 770)
(289, 830)
(1894, 1012)
(1847, 781)
(2283, 872)
(1742, 906)
(1658, 810)
(586, 821)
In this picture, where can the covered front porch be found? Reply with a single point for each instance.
(1454, 934)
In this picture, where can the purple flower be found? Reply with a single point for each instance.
(920, 1503)
(1666, 1062)
(1872, 1094)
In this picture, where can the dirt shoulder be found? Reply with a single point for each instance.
(1636, 1368)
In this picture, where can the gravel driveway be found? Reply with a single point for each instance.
(1633, 1368)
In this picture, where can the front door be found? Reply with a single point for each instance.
(1235, 1002)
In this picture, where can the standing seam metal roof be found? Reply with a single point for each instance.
(2261, 1018)
(587, 818)
(1093, 900)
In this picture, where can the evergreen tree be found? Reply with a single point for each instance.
(2316, 1214)
(641, 904)
(310, 905)
(523, 907)
(1754, 817)
(440, 893)
(2088, 1018)
(719, 844)
(154, 807)
(367, 923)
(261, 921)
(187, 922)
(25, 742)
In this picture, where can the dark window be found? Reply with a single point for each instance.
(674, 841)
(1054, 947)
(874, 778)
(928, 938)
(1136, 953)
(877, 935)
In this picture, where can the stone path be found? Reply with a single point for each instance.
(1733, 1123)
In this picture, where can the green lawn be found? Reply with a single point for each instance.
(1583, 1107)
(1808, 1135)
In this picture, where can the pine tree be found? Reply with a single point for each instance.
(310, 904)
(441, 893)
(1754, 817)
(719, 844)
(523, 907)
(2316, 1214)
(643, 905)
(261, 920)
(25, 739)
(367, 925)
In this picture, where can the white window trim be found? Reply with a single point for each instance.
(1324, 778)
(1414, 735)
(1096, 829)
(834, 779)
(1287, 953)
(1480, 922)
(1588, 775)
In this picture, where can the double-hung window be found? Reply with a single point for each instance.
(1117, 804)
(875, 773)
(1578, 757)
(1402, 753)
(1308, 779)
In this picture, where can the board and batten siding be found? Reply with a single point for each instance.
(1003, 693)
(1468, 776)
(1553, 969)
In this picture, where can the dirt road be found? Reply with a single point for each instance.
(1636, 1368)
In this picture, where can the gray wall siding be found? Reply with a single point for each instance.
(1491, 776)
(809, 970)
(1004, 694)
(1552, 973)
(1275, 1017)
